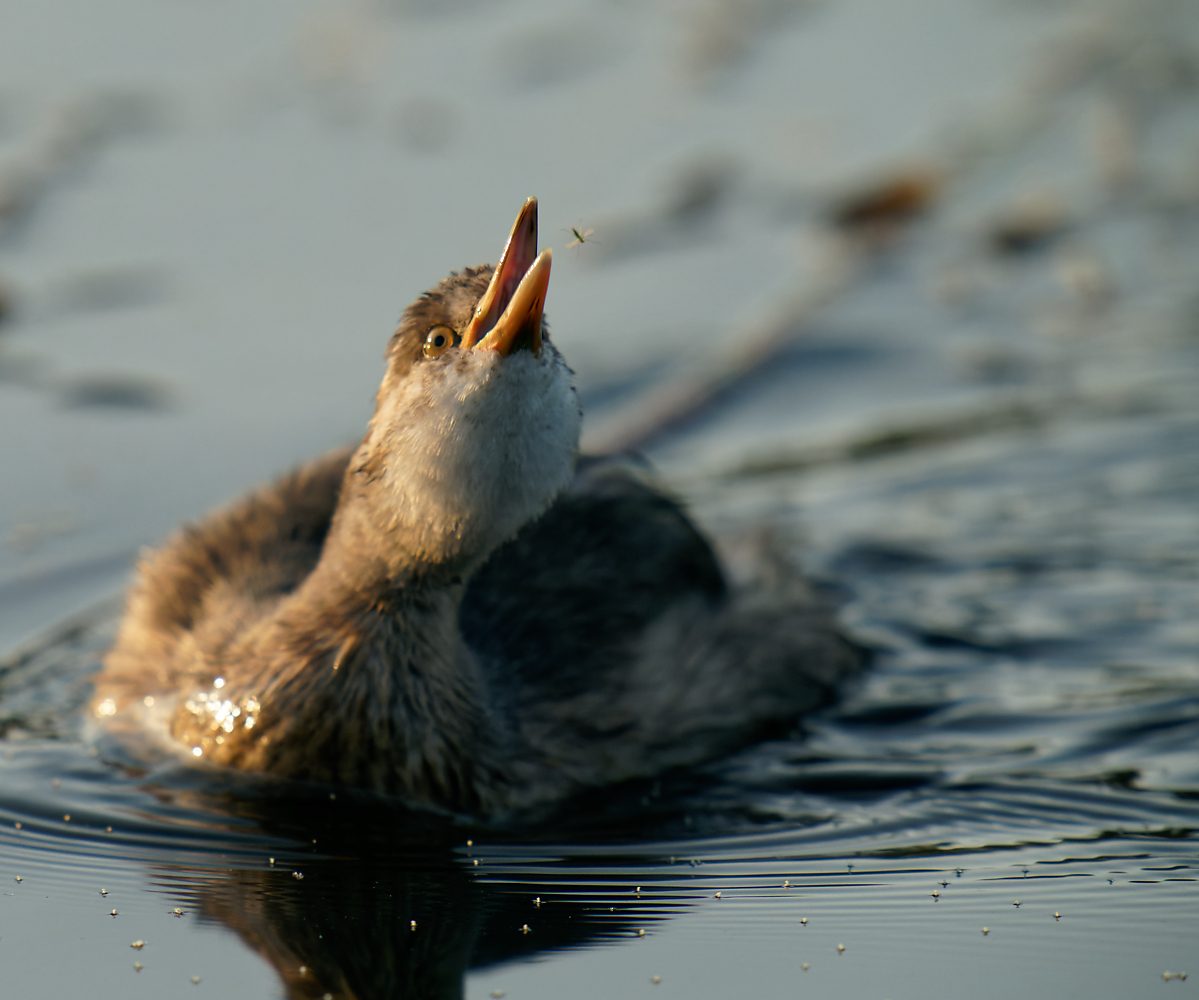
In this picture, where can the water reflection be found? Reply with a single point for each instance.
(368, 916)
(343, 895)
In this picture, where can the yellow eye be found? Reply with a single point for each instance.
(439, 340)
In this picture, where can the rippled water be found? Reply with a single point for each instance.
(1009, 800)
(988, 456)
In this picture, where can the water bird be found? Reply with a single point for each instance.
(461, 611)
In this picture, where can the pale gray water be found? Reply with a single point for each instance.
(209, 218)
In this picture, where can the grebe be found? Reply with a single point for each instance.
(460, 611)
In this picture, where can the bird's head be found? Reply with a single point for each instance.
(476, 423)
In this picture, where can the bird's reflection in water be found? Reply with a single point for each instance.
(366, 900)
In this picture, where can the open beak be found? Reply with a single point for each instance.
(508, 315)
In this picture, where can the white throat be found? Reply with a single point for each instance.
(475, 447)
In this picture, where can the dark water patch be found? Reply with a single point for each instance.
(118, 392)
(1028, 225)
(110, 288)
(8, 302)
(867, 556)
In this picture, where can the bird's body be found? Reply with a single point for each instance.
(457, 611)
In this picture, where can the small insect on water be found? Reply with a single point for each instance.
(581, 236)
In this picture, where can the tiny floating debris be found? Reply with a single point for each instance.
(196, 980)
(1168, 976)
(137, 945)
(298, 876)
(525, 929)
(1029, 224)
(986, 931)
(176, 911)
(641, 932)
(840, 949)
(936, 895)
(1016, 903)
(412, 925)
(803, 921)
(656, 980)
(1057, 915)
(716, 894)
(881, 207)
(18, 879)
(137, 966)
(114, 912)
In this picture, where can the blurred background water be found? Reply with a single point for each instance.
(912, 288)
